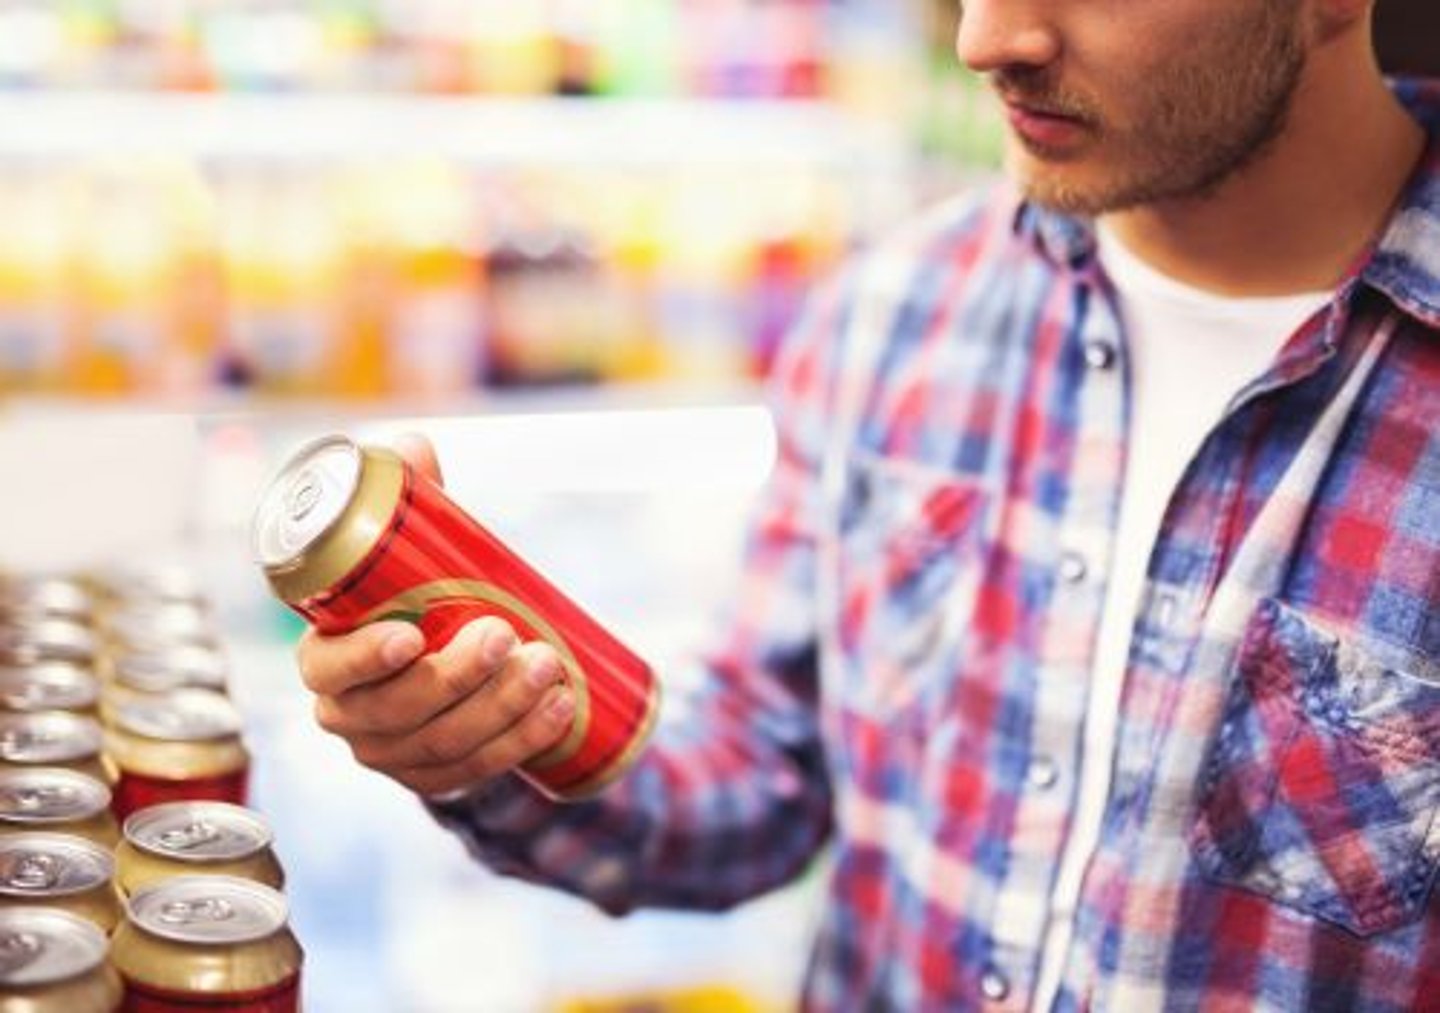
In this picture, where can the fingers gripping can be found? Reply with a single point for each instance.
(349, 535)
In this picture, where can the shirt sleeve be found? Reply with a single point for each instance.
(732, 796)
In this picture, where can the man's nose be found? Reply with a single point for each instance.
(1006, 33)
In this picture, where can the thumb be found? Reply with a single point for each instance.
(419, 453)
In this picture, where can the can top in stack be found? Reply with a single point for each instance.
(43, 946)
(199, 831)
(48, 685)
(156, 626)
(48, 737)
(50, 638)
(179, 667)
(209, 910)
(182, 715)
(40, 796)
(41, 865)
(41, 595)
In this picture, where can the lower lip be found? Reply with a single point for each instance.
(1043, 131)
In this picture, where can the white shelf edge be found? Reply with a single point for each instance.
(472, 129)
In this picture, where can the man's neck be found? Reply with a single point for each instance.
(1296, 218)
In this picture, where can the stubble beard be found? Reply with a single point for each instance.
(1206, 123)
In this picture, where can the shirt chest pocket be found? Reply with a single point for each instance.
(907, 571)
(1322, 790)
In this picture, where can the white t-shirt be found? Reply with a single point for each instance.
(1190, 352)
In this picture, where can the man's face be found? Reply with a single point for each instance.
(1119, 103)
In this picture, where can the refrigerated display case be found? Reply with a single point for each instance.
(562, 237)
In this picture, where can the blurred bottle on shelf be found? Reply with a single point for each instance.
(416, 279)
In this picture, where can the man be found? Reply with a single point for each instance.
(1093, 611)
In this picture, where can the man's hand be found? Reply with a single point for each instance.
(441, 722)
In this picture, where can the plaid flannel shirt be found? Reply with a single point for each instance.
(905, 667)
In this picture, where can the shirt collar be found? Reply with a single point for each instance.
(1405, 264)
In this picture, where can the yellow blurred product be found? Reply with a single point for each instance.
(436, 323)
(34, 278)
(125, 281)
(284, 260)
(703, 999)
(510, 49)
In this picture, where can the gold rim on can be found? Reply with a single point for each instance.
(196, 838)
(54, 739)
(52, 961)
(59, 871)
(56, 800)
(207, 936)
(48, 686)
(180, 735)
(46, 639)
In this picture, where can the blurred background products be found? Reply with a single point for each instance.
(422, 199)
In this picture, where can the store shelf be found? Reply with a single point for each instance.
(482, 130)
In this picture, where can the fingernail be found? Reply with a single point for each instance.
(563, 706)
(495, 644)
(544, 671)
(401, 647)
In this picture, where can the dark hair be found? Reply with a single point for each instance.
(1407, 36)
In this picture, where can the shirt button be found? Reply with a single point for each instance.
(1043, 773)
(1073, 568)
(1165, 611)
(1100, 354)
(994, 985)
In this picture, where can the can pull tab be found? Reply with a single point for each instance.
(28, 696)
(190, 912)
(35, 871)
(17, 950)
(19, 741)
(191, 835)
(44, 798)
(304, 495)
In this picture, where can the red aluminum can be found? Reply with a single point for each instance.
(213, 943)
(349, 535)
(177, 746)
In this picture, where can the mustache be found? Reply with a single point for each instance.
(1036, 89)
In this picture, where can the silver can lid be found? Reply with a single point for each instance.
(157, 671)
(159, 625)
(181, 715)
(41, 795)
(48, 686)
(304, 500)
(198, 831)
(45, 640)
(47, 594)
(168, 582)
(42, 946)
(208, 910)
(37, 866)
(48, 737)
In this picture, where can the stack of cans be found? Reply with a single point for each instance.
(132, 876)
